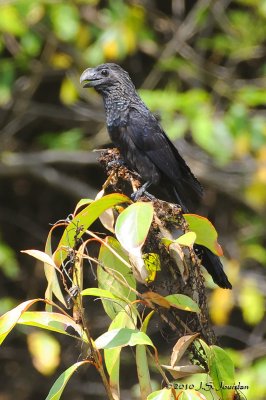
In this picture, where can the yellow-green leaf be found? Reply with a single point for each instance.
(60, 384)
(82, 221)
(183, 302)
(206, 234)
(133, 224)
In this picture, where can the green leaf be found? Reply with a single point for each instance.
(205, 232)
(183, 302)
(49, 269)
(163, 394)
(82, 221)
(222, 372)
(82, 203)
(200, 344)
(188, 239)
(133, 224)
(60, 384)
(124, 319)
(109, 282)
(51, 321)
(143, 371)
(191, 395)
(122, 337)
(9, 319)
(51, 276)
(98, 293)
(146, 321)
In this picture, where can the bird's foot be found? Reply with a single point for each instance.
(141, 191)
(136, 195)
(149, 195)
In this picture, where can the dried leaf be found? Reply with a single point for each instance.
(181, 346)
(156, 299)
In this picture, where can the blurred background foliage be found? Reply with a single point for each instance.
(198, 64)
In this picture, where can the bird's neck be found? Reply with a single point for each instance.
(117, 104)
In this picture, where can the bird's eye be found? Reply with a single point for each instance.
(105, 72)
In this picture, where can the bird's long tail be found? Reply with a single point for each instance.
(209, 260)
(213, 265)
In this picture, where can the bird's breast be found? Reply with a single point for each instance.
(135, 158)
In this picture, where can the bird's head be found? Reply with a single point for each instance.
(106, 77)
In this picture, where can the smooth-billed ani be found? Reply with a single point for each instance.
(147, 150)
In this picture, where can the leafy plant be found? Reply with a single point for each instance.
(119, 264)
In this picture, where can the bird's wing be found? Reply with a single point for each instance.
(150, 138)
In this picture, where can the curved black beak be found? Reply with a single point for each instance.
(88, 77)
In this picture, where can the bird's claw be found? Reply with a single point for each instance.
(136, 195)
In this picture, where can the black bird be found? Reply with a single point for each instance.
(147, 150)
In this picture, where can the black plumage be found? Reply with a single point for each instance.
(146, 149)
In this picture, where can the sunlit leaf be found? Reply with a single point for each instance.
(143, 371)
(41, 256)
(82, 203)
(146, 321)
(52, 321)
(163, 394)
(107, 218)
(191, 395)
(98, 293)
(60, 384)
(122, 337)
(182, 302)
(124, 319)
(50, 274)
(82, 221)
(205, 232)
(120, 282)
(9, 319)
(188, 239)
(133, 224)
